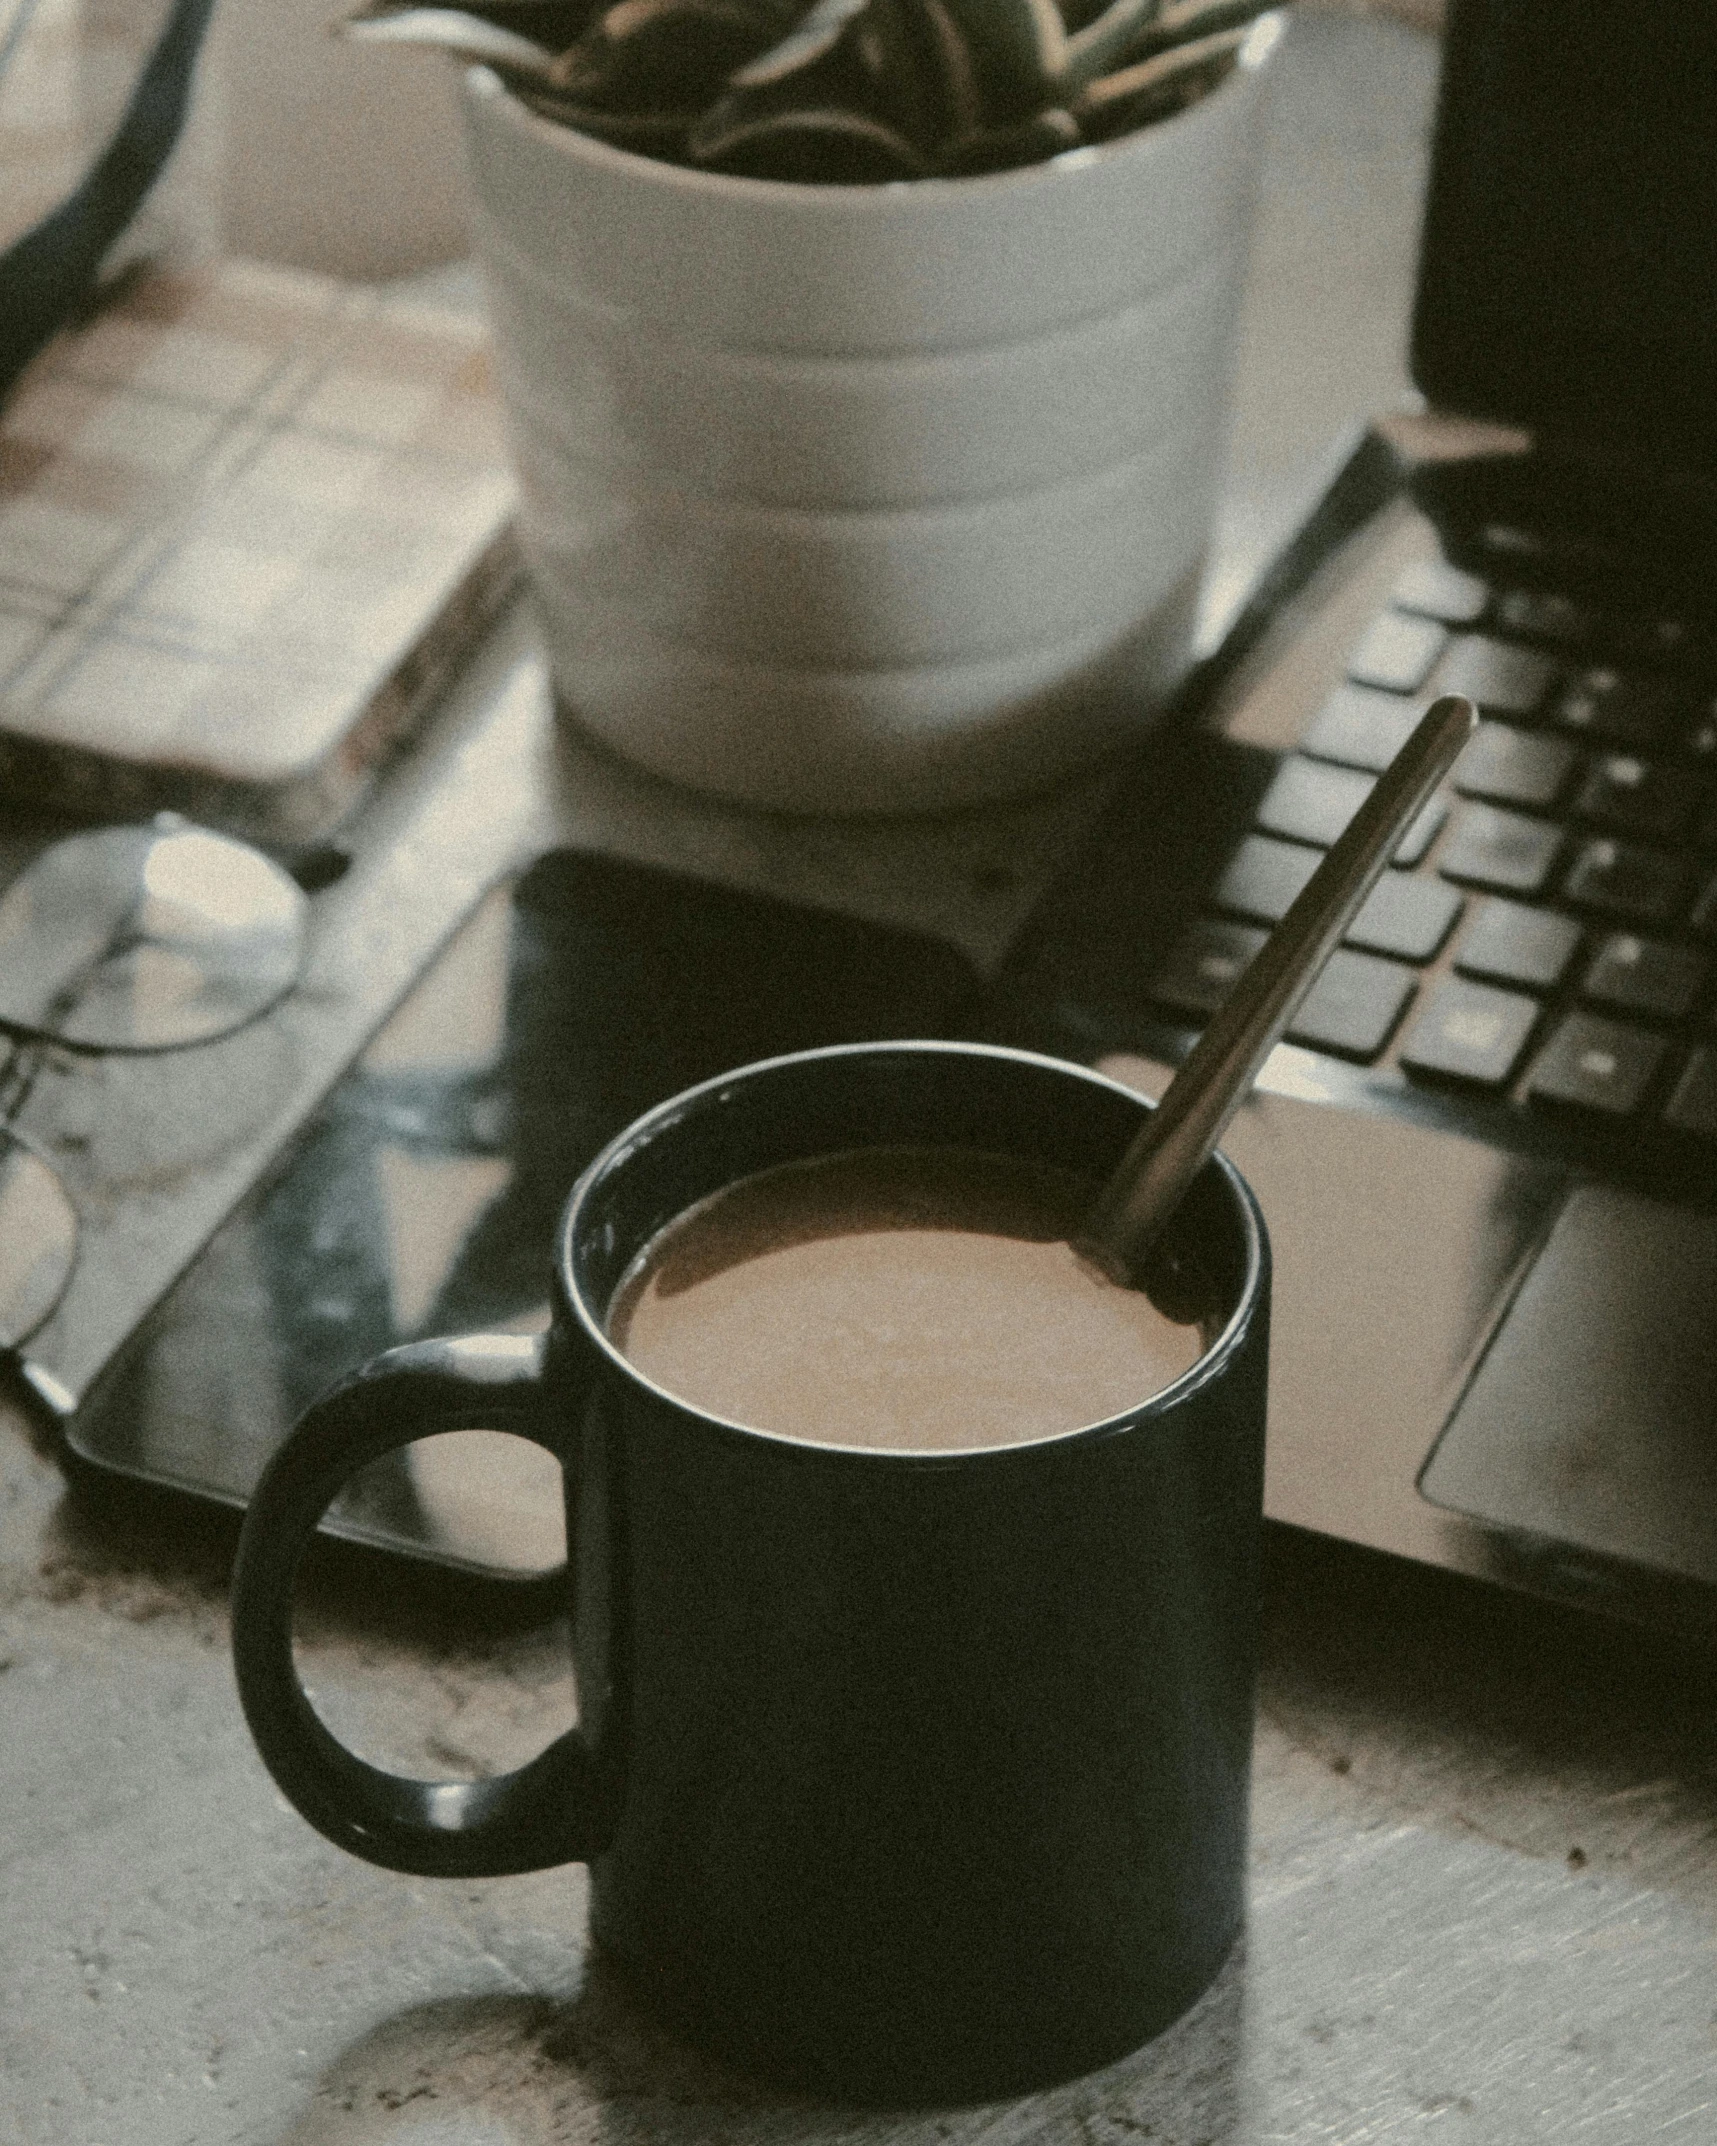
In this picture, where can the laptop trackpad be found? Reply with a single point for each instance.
(1592, 1418)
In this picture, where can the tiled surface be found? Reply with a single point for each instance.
(230, 509)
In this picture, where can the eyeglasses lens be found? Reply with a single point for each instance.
(38, 1240)
(126, 939)
(146, 939)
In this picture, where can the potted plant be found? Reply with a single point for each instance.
(866, 368)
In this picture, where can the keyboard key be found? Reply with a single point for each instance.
(1693, 1106)
(1512, 944)
(1491, 848)
(1668, 641)
(1409, 918)
(1263, 878)
(1704, 917)
(1648, 976)
(1470, 1032)
(1353, 1006)
(1359, 728)
(1508, 543)
(1650, 799)
(1309, 802)
(1435, 589)
(1542, 615)
(1596, 1065)
(1639, 714)
(1641, 885)
(1699, 740)
(1515, 767)
(1499, 677)
(1397, 653)
(1205, 966)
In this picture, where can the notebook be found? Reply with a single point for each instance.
(1487, 1152)
(250, 521)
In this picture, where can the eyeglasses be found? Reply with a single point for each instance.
(125, 940)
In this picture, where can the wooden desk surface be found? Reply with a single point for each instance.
(1485, 1832)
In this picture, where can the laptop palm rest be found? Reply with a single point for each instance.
(1592, 1419)
(1396, 1248)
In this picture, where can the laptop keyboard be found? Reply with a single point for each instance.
(1548, 929)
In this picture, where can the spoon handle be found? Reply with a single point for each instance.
(1182, 1131)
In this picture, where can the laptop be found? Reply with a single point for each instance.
(1488, 1151)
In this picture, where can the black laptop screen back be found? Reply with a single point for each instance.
(1568, 279)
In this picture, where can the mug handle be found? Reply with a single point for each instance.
(548, 1812)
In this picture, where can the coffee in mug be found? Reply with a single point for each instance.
(926, 1299)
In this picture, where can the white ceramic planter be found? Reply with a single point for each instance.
(867, 499)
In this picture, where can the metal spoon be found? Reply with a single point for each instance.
(1180, 1134)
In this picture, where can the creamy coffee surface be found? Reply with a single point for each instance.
(915, 1298)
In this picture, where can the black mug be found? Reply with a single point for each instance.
(904, 1776)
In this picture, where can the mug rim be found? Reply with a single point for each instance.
(1210, 1363)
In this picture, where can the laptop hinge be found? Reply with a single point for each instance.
(1551, 518)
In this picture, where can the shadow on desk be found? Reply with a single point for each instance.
(1480, 1712)
(598, 2069)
